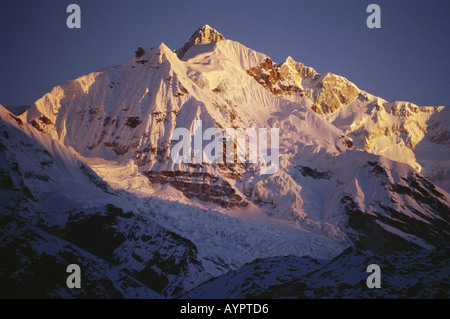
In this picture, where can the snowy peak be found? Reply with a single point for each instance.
(296, 69)
(204, 34)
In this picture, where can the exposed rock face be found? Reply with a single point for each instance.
(269, 75)
(205, 34)
(296, 71)
(328, 92)
(332, 92)
(204, 186)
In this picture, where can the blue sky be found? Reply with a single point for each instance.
(407, 59)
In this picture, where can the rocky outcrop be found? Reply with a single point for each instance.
(204, 186)
(205, 34)
(328, 92)
(295, 71)
(269, 76)
(332, 92)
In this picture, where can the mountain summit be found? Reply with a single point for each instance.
(204, 34)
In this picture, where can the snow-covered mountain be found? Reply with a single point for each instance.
(87, 172)
(401, 131)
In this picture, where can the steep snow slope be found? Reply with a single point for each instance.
(57, 207)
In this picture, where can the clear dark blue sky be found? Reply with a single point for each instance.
(407, 59)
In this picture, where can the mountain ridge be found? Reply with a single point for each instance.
(210, 84)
